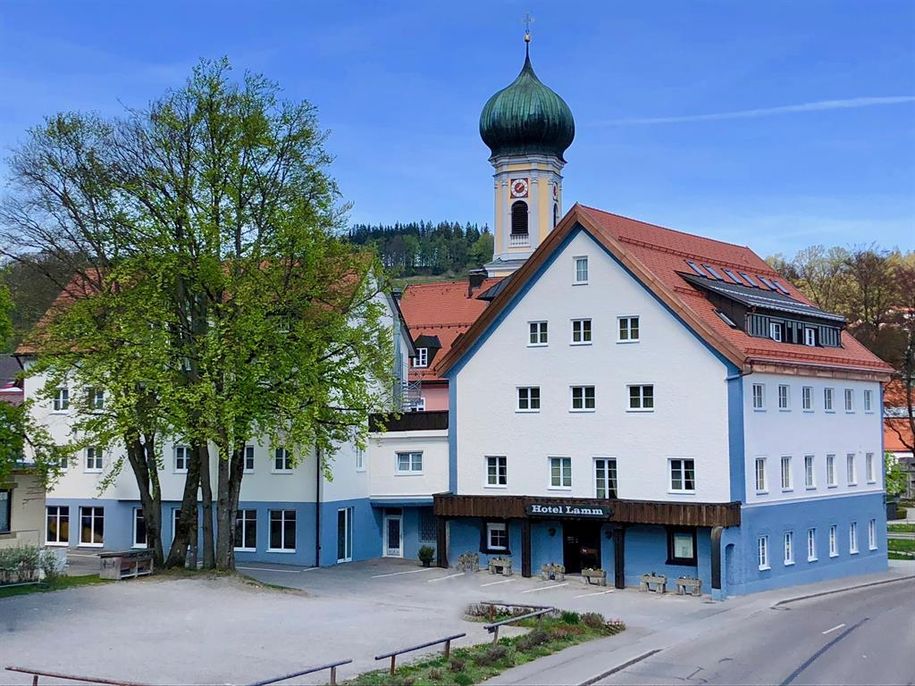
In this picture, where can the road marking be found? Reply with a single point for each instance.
(495, 583)
(545, 588)
(809, 661)
(442, 578)
(412, 571)
(588, 595)
(835, 628)
(272, 569)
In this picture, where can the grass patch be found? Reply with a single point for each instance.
(901, 528)
(475, 664)
(901, 544)
(893, 555)
(59, 583)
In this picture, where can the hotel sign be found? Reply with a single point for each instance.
(554, 510)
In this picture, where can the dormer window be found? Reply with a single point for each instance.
(422, 357)
(775, 331)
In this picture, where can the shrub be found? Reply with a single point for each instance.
(593, 620)
(426, 554)
(463, 679)
(456, 665)
(533, 639)
(50, 564)
(570, 617)
(436, 675)
(19, 564)
(491, 656)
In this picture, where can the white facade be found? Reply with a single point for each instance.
(386, 481)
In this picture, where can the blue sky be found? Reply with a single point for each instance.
(775, 124)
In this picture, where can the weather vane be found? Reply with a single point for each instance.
(528, 20)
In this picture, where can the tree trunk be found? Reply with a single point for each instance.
(187, 518)
(202, 452)
(138, 452)
(231, 471)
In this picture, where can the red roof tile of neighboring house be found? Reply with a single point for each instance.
(897, 435)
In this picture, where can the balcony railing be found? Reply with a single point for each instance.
(519, 240)
(409, 421)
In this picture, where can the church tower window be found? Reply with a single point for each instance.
(555, 214)
(519, 218)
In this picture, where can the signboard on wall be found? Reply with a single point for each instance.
(557, 510)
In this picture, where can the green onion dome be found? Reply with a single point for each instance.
(526, 117)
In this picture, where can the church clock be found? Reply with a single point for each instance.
(519, 188)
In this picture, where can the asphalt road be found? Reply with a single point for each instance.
(857, 637)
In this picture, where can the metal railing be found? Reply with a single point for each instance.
(494, 627)
(393, 655)
(332, 666)
(70, 677)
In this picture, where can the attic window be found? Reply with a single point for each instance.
(726, 319)
(749, 280)
(696, 268)
(422, 357)
(767, 283)
(711, 270)
(733, 276)
(781, 288)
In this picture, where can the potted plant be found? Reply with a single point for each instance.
(426, 555)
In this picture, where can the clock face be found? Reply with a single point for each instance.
(519, 188)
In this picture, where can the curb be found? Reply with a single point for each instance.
(787, 601)
(620, 667)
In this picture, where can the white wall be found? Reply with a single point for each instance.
(690, 416)
(382, 463)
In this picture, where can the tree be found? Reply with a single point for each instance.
(895, 479)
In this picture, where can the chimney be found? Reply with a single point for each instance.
(475, 279)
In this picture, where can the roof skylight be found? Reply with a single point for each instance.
(696, 268)
(711, 270)
(749, 280)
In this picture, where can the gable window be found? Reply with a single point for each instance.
(811, 545)
(182, 458)
(422, 357)
(681, 547)
(809, 481)
(851, 470)
(497, 470)
(519, 218)
(807, 398)
(581, 331)
(581, 270)
(682, 475)
(537, 333)
(868, 400)
(93, 459)
(604, 477)
(810, 336)
(827, 399)
(560, 472)
(92, 526)
(628, 329)
(582, 398)
(57, 531)
(831, 480)
(787, 481)
(528, 398)
(784, 397)
(853, 538)
(789, 548)
(410, 463)
(62, 400)
(775, 331)
(872, 534)
(96, 399)
(761, 485)
(849, 400)
(762, 550)
(497, 536)
(139, 528)
(249, 459)
(833, 541)
(246, 530)
(869, 468)
(641, 397)
(759, 396)
(282, 531)
(282, 460)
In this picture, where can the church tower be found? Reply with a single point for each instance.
(528, 128)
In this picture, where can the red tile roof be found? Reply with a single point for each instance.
(894, 431)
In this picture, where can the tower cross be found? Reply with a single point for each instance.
(527, 21)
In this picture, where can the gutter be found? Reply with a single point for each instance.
(318, 481)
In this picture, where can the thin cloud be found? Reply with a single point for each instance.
(820, 106)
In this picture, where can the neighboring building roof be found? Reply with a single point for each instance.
(9, 370)
(897, 433)
(443, 310)
(658, 258)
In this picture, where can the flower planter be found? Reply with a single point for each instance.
(597, 577)
(553, 572)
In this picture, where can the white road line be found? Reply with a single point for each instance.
(412, 571)
(588, 595)
(442, 578)
(835, 628)
(272, 569)
(545, 588)
(494, 583)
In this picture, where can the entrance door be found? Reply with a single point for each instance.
(581, 545)
(393, 535)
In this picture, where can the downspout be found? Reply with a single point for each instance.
(317, 506)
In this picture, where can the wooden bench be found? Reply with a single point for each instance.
(553, 572)
(597, 577)
(127, 564)
(500, 565)
(689, 584)
(658, 581)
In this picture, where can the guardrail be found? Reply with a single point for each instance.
(494, 627)
(70, 677)
(332, 666)
(393, 655)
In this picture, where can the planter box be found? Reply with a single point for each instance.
(468, 562)
(15, 577)
(658, 581)
(551, 572)
(126, 565)
(597, 577)
(689, 584)
(500, 565)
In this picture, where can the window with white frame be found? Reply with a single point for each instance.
(249, 459)
(869, 468)
(282, 460)
(761, 485)
(831, 480)
(410, 462)
(810, 336)
(789, 548)
(282, 531)
(604, 477)
(560, 472)
(496, 470)
(182, 458)
(581, 331)
(497, 536)
(784, 397)
(360, 459)
(807, 398)
(246, 530)
(868, 400)
(851, 469)
(641, 397)
(827, 399)
(581, 270)
(759, 396)
(538, 333)
(872, 534)
(96, 399)
(61, 400)
(628, 329)
(139, 528)
(849, 400)
(833, 541)
(762, 552)
(582, 398)
(775, 331)
(93, 459)
(422, 357)
(809, 474)
(528, 399)
(57, 530)
(682, 475)
(811, 545)
(787, 481)
(853, 538)
(92, 526)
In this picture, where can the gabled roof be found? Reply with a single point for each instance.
(658, 258)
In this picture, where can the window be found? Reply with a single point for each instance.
(497, 471)
(683, 475)
(762, 551)
(58, 524)
(807, 398)
(419, 405)
(249, 459)
(681, 547)
(496, 536)
(519, 218)
(783, 397)
(849, 400)
(282, 462)
(831, 481)
(246, 530)
(93, 459)
(560, 472)
(529, 399)
(582, 398)
(641, 397)
(775, 331)
(759, 396)
(833, 541)
(360, 459)
(6, 510)
(182, 457)
(851, 471)
(427, 524)
(787, 481)
(853, 538)
(581, 331)
(811, 545)
(62, 400)
(282, 531)
(872, 534)
(92, 526)
(581, 270)
(827, 399)
(628, 329)
(809, 480)
(422, 357)
(789, 548)
(869, 468)
(538, 333)
(345, 534)
(555, 213)
(868, 400)
(410, 463)
(139, 528)
(761, 475)
(604, 477)
(96, 399)
(810, 336)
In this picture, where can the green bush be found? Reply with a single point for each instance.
(570, 617)
(532, 640)
(19, 564)
(50, 564)
(426, 554)
(463, 679)
(901, 514)
(456, 665)
(491, 656)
